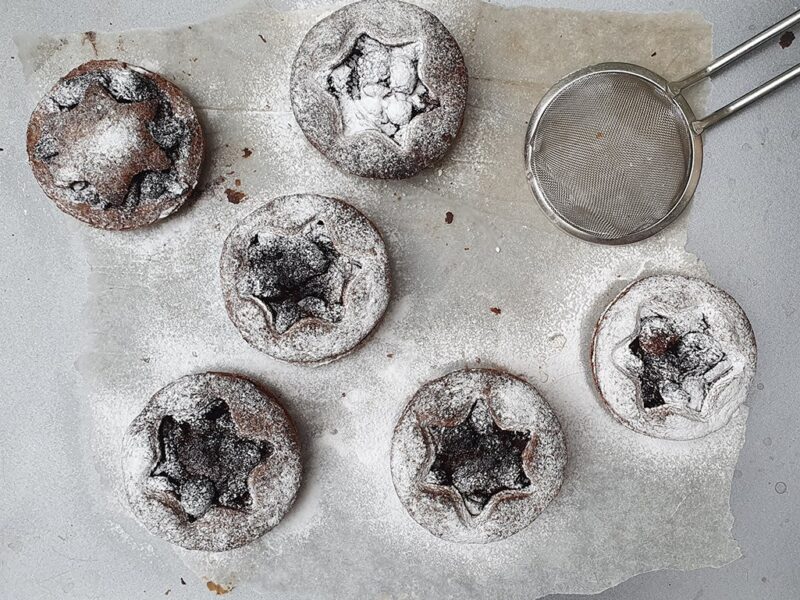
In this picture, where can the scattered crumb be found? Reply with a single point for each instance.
(218, 589)
(263, 39)
(235, 196)
(344, 395)
(495, 310)
(448, 217)
(439, 173)
(146, 359)
(600, 135)
(182, 581)
(497, 249)
(786, 39)
(246, 153)
(237, 182)
(466, 247)
(654, 53)
(91, 37)
(478, 360)
(167, 592)
(390, 355)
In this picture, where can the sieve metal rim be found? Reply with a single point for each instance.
(695, 161)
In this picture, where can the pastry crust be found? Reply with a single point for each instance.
(673, 357)
(272, 484)
(440, 67)
(515, 408)
(354, 301)
(115, 145)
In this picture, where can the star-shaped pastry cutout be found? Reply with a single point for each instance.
(476, 458)
(104, 143)
(673, 358)
(206, 462)
(294, 277)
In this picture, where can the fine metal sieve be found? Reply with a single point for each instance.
(614, 151)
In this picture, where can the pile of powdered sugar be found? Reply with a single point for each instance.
(379, 88)
(158, 314)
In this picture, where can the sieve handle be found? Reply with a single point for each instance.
(702, 124)
(730, 57)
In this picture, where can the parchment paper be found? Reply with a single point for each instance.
(630, 504)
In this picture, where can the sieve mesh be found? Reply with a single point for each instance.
(611, 154)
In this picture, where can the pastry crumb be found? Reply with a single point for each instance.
(235, 196)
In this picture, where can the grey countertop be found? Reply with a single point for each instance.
(743, 225)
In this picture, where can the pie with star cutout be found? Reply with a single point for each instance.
(211, 463)
(115, 145)
(105, 144)
(305, 278)
(673, 357)
(380, 88)
(477, 455)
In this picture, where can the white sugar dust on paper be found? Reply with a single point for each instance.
(630, 504)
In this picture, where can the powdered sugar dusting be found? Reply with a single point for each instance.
(113, 141)
(158, 314)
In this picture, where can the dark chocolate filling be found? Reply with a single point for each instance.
(295, 277)
(206, 461)
(669, 359)
(478, 458)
